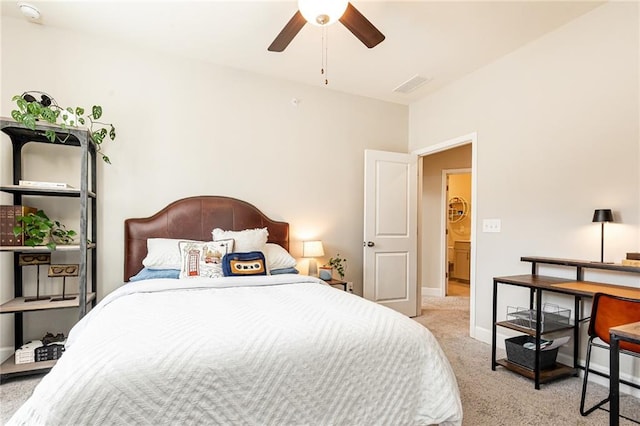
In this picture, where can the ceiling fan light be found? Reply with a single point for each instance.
(322, 12)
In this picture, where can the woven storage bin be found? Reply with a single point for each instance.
(518, 354)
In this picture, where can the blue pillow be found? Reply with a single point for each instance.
(284, 271)
(149, 274)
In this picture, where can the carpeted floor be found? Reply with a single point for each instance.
(488, 397)
(502, 397)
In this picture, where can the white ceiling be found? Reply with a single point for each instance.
(438, 40)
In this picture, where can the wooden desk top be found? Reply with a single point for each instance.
(627, 331)
(587, 288)
(568, 286)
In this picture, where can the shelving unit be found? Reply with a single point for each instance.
(537, 285)
(86, 248)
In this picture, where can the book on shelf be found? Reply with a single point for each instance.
(631, 262)
(8, 220)
(37, 184)
(633, 256)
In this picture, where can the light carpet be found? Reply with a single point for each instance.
(488, 397)
(502, 397)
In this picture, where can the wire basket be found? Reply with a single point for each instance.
(553, 317)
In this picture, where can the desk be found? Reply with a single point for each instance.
(628, 333)
(577, 288)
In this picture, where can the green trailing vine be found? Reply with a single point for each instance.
(30, 111)
(39, 230)
(339, 264)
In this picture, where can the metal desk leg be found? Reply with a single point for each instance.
(576, 333)
(493, 325)
(536, 363)
(614, 380)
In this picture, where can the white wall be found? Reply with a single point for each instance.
(187, 128)
(558, 130)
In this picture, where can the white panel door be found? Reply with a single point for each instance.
(390, 230)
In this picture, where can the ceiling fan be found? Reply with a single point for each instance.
(323, 13)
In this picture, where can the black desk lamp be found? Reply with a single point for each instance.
(602, 216)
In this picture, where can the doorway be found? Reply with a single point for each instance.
(457, 203)
(458, 153)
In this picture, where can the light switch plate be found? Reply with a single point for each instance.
(491, 225)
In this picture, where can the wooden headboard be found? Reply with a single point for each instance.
(194, 218)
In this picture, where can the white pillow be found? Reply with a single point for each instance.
(278, 257)
(203, 259)
(247, 240)
(163, 253)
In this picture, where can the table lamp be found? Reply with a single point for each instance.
(312, 249)
(602, 216)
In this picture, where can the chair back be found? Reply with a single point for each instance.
(611, 311)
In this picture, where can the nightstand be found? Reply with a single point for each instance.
(333, 282)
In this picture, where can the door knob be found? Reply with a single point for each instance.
(370, 244)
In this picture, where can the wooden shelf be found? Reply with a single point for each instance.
(19, 305)
(44, 249)
(532, 331)
(560, 370)
(55, 192)
(9, 368)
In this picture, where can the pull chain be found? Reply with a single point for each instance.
(325, 47)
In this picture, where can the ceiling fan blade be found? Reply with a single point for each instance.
(287, 34)
(361, 27)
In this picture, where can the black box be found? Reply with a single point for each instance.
(518, 354)
(49, 352)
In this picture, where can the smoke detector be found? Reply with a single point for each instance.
(29, 11)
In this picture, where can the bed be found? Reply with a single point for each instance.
(278, 349)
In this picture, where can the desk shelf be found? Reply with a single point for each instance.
(557, 372)
(532, 331)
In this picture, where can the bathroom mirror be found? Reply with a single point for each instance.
(458, 209)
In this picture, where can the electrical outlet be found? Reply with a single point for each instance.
(491, 225)
(350, 286)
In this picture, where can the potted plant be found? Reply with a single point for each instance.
(339, 264)
(31, 110)
(39, 230)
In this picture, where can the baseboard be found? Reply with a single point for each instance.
(6, 352)
(432, 292)
(484, 335)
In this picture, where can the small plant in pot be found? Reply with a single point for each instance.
(39, 230)
(339, 264)
(30, 111)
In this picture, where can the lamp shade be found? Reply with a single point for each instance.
(602, 215)
(312, 249)
(322, 12)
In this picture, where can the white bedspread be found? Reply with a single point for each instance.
(277, 350)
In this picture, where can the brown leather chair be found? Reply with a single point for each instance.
(608, 311)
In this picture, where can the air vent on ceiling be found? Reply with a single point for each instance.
(412, 84)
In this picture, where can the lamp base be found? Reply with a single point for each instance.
(313, 268)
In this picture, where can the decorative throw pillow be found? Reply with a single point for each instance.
(163, 253)
(203, 259)
(240, 264)
(245, 241)
(278, 258)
